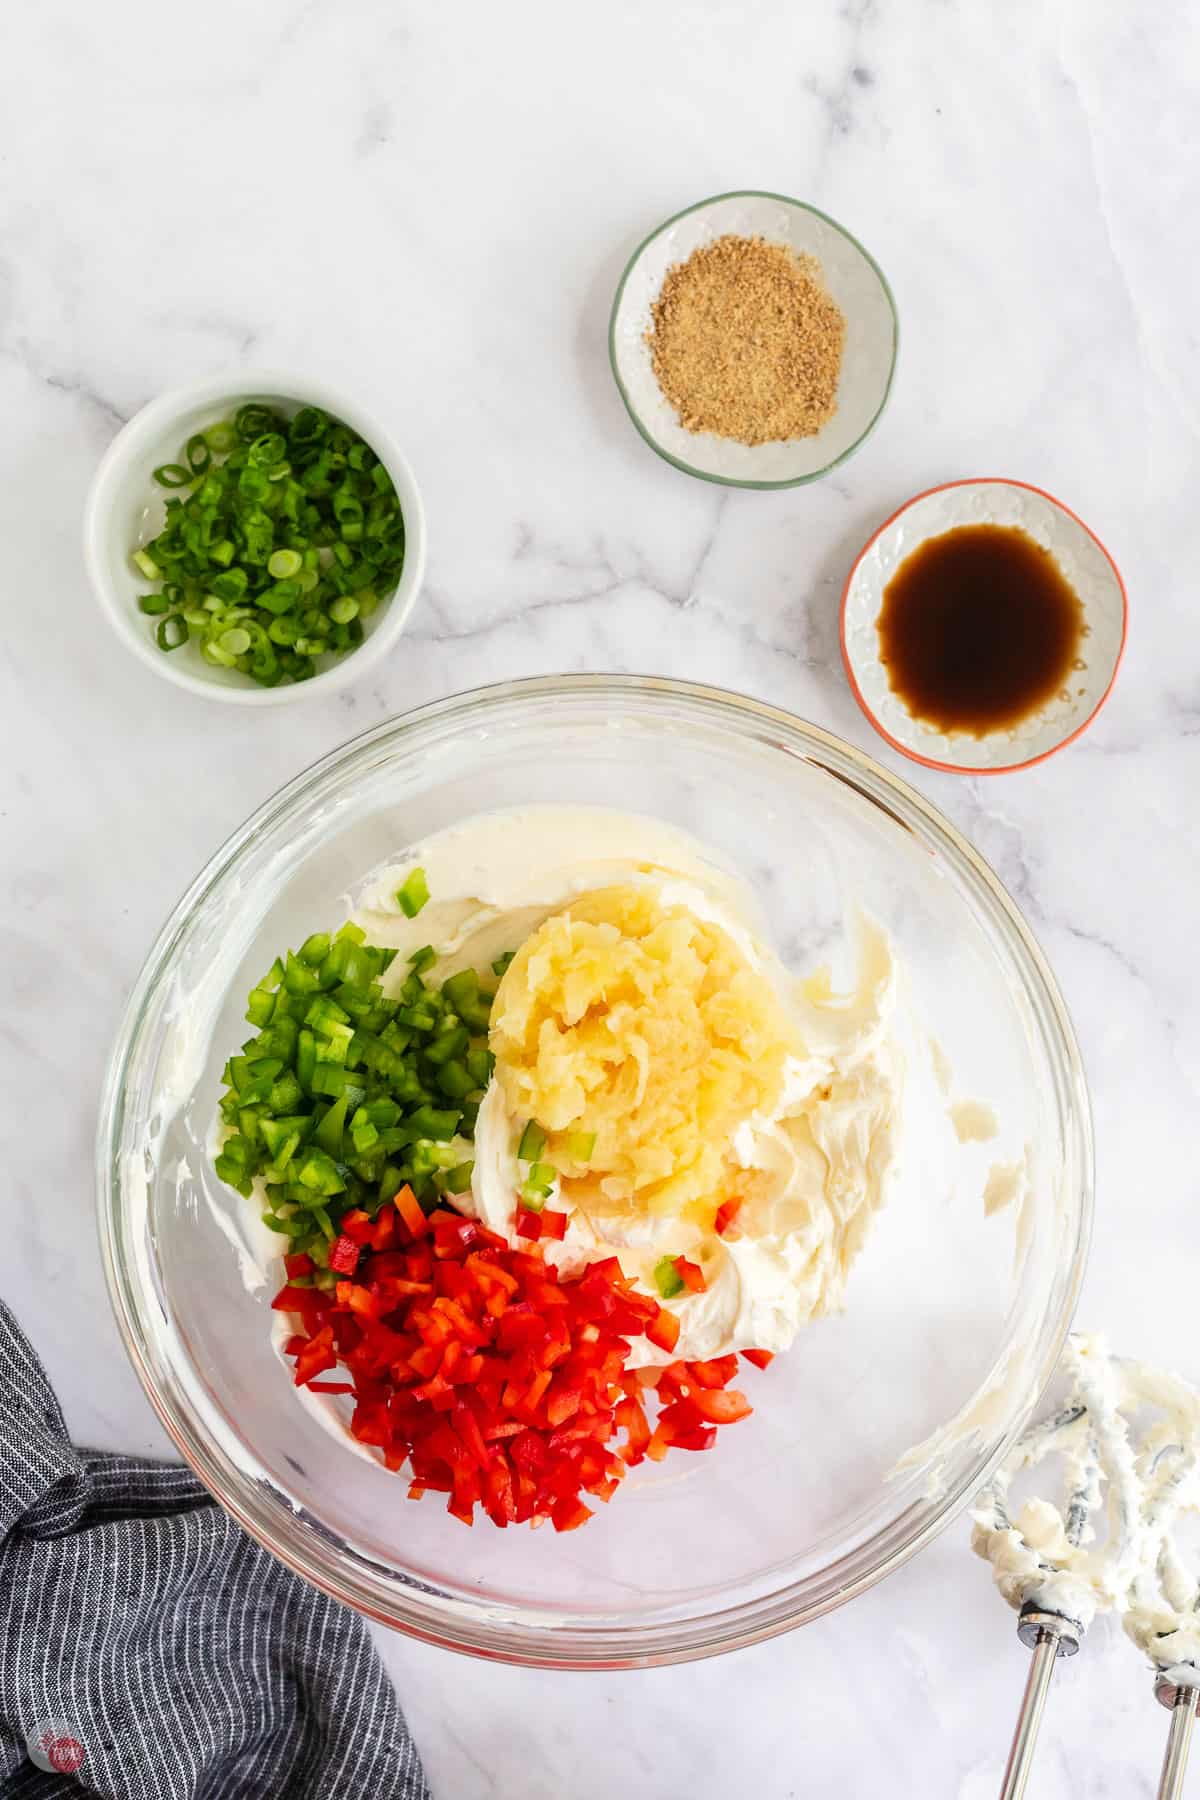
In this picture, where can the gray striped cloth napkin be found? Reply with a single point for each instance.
(150, 1650)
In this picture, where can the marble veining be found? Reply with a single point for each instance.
(434, 206)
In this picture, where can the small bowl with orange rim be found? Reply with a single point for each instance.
(982, 627)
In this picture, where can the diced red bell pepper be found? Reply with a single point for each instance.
(664, 1329)
(495, 1380)
(701, 1439)
(343, 1254)
(691, 1274)
(310, 1303)
(467, 1427)
(727, 1212)
(554, 1224)
(721, 1406)
(631, 1417)
(299, 1263)
(452, 1235)
(529, 1224)
(356, 1225)
(715, 1374)
(563, 1401)
(408, 1209)
(359, 1299)
(317, 1356)
(569, 1515)
(384, 1234)
(762, 1359)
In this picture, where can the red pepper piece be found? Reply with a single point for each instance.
(452, 1235)
(467, 1427)
(715, 1374)
(310, 1303)
(359, 1299)
(664, 1330)
(727, 1212)
(554, 1224)
(702, 1439)
(721, 1406)
(331, 1387)
(569, 1515)
(385, 1228)
(631, 1417)
(563, 1401)
(317, 1355)
(529, 1224)
(408, 1209)
(343, 1254)
(356, 1225)
(691, 1275)
(762, 1359)
(299, 1263)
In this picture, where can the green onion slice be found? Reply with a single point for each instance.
(171, 632)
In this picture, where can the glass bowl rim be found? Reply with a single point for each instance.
(734, 481)
(451, 1625)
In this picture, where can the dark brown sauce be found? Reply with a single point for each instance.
(979, 628)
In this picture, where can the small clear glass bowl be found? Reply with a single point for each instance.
(868, 1436)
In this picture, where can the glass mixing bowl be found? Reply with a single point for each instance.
(879, 1424)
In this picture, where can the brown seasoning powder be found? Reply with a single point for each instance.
(746, 342)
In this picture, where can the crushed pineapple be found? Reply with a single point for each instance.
(647, 1026)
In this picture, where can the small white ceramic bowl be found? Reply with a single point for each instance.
(1083, 560)
(853, 279)
(125, 508)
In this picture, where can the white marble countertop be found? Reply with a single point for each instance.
(434, 205)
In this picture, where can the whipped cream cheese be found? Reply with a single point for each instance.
(822, 1157)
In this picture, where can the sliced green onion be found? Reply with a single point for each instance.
(413, 895)
(344, 609)
(146, 563)
(221, 437)
(171, 632)
(198, 452)
(230, 584)
(501, 963)
(268, 449)
(154, 604)
(252, 420)
(309, 425)
(173, 475)
(284, 563)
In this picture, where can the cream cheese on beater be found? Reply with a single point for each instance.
(1139, 1487)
